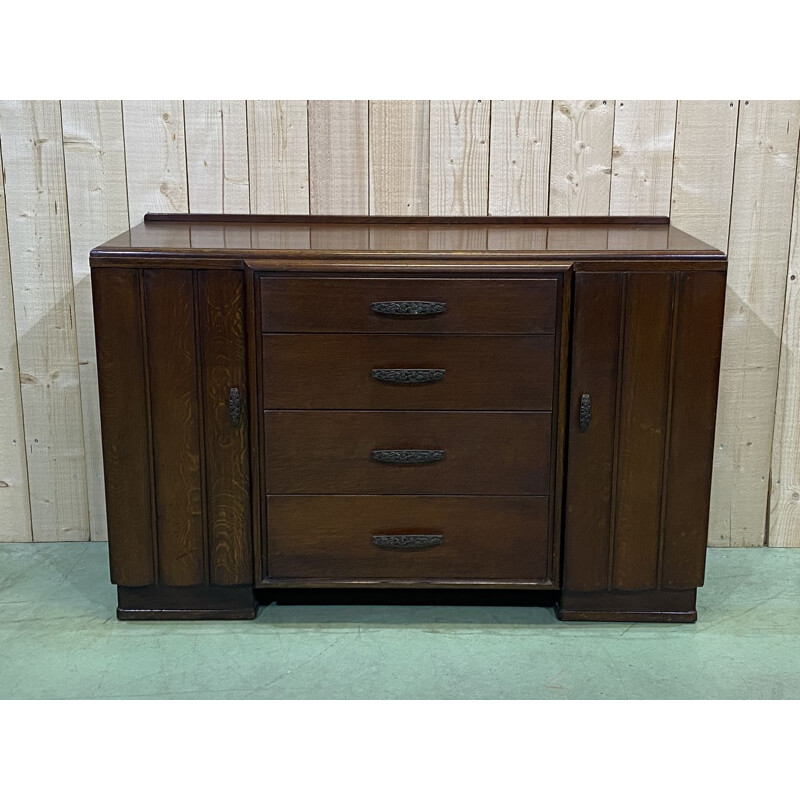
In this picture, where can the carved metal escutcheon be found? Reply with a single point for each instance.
(407, 541)
(235, 407)
(406, 376)
(585, 413)
(408, 308)
(407, 456)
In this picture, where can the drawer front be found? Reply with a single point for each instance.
(408, 372)
(407, 452)
(423, 538)
(407, 305)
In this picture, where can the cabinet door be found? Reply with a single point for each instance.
(645, 364)
(171, 355)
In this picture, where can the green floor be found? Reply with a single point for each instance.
(59, 638)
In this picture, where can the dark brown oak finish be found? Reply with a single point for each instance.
(489, 373)
(249, 444)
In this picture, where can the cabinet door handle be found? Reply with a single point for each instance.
(407, 456)
(407, 541)
(585, 413)
(406, 376)
(408, 308)
(235, 407)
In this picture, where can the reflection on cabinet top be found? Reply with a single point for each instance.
(237, 237)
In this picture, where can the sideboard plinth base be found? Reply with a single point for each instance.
(664, 605)
(186, 603)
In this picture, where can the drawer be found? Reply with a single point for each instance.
(407, 452)
(422, 538)
(408, 372)
(408, 305)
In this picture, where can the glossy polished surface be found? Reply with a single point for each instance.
(343, 235)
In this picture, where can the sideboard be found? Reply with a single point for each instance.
(506, 403)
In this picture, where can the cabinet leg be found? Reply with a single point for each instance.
(656, 605)
(186, 602)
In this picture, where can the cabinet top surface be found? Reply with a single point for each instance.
(254, 236)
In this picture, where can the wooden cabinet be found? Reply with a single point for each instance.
(281, 416)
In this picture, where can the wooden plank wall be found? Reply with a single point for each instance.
(76, 173)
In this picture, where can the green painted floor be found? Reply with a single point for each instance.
(59, 638)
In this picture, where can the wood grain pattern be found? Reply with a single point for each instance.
(482, 373)
(94, 160)
(702, 171)
(685, 500)
(221, 320)
(126, 428)
(15, 507)
(278, 138)
(338, 151)
(641, 167)
(41, 270)
(459, 153)
(580, 161)
(216, 156)
(155, 157)
(519, 162)
(482, 537)
(342, 305)
(784, 511)
(329, 452)
(589, 511)
(761, 213)
(172, 363)
(399, 156)
(643, 421)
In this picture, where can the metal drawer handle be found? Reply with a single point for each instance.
(585, 413)
(407, 456)
(406, 376)
(408, 308)
(235, 407)
(408, 541)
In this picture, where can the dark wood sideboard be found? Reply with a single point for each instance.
(517, 403)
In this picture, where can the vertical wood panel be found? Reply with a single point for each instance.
(784, 516)
(590, 461)
(698, 333)
(399, 156)
(15, 507)
(216, 156)
(702, 170)
(338, 149)
(580, 163)
(94, 158)
(641, 167)
(761, 211)
(519, 162)
(172, 365)
(155, 157)
(126, 432)
(221, 310)
(277, 132)
(459, 152)
(38, 231)
(641, 431)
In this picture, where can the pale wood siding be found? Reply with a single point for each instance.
(47, 345)
(78, 173)
(278, 137)
(216, 156)
(580, 164)
(641, 165)
(15, 509)
(399, 155)
(761, 213)
(519, 164)
(94, 158)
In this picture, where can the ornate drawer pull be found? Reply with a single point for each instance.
(235, 407)
(408, 308)
(585, 413)
(405, 541)
(407, 456)
(408, 375)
